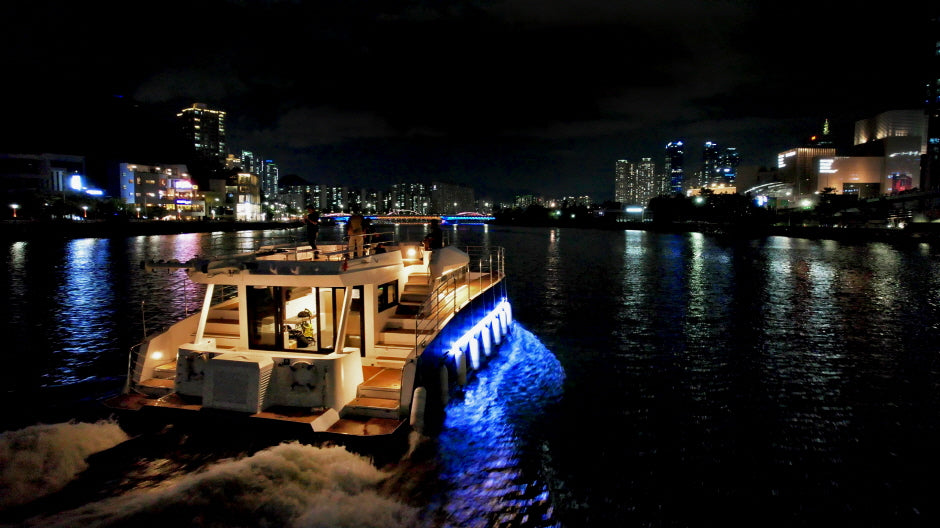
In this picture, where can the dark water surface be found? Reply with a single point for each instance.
(651, 380)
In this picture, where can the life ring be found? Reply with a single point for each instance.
(304, 374)
(196, 366)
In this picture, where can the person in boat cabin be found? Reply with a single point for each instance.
(312, 221)
(435, 237)
(354, 229)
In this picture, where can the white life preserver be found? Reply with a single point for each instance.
(304, 376)
(196, 366)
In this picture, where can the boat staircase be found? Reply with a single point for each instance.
(222, 325)
(379, 395)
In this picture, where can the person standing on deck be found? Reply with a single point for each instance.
(435, 237)
(312, 221)
(354, 231)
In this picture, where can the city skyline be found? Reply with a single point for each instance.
(511, 97)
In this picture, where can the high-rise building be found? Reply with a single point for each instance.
(711, 165)
(622, 181)
(205, 129)
(269, 180)
(675, 160)
(719, 166)
(408, 197)
(728, 165)
(636, 183)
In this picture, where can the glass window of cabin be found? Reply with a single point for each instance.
(387, 295)
(326, 317)
(355, 323)
(265, 305)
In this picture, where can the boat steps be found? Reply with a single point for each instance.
(394, 349)
(157, 383)
(155, 388)
(384, 384)
(167, 371)
(390, 362)
(402, 336)
(374, 407)
(221, 337)
(417, 288)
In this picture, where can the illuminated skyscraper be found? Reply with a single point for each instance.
(711, 165)
(205, 129)
(675, 160)
(636, 183)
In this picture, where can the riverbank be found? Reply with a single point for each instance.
(29, 230)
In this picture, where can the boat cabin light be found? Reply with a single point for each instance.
(156, 355)
(412, 252)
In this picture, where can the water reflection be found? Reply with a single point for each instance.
(489, 467)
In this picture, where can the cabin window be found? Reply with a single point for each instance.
(387, 296)
(355, 323)
(265, 314)
(284, 318)
(326, 327)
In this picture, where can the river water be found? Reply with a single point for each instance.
(649, 380)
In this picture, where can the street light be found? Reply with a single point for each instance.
(14, 207)
(138, 213)
(84, 211)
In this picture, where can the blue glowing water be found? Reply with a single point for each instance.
(651, 380)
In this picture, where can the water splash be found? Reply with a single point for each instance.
(42, 459)
(485, 473)
(290, 484)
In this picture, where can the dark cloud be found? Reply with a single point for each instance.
(546, 95)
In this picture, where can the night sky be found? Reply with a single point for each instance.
(508, 96)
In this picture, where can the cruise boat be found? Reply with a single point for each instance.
(324, 342)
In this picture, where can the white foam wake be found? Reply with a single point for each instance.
(42, 459)
(287, 485)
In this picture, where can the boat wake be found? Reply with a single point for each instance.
(42, 459)
(290, 484)
(470, 474)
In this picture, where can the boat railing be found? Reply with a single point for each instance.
(135, 357)
(454, 290)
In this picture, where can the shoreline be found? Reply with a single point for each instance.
(31, 230)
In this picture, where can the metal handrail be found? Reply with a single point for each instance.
(444, 300)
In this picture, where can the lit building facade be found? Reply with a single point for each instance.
(165, 191)
(205, 129)
(636, 183)
(900, 137)
(674, 166)
(798, 167)
(854, 175)
(243, 192)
